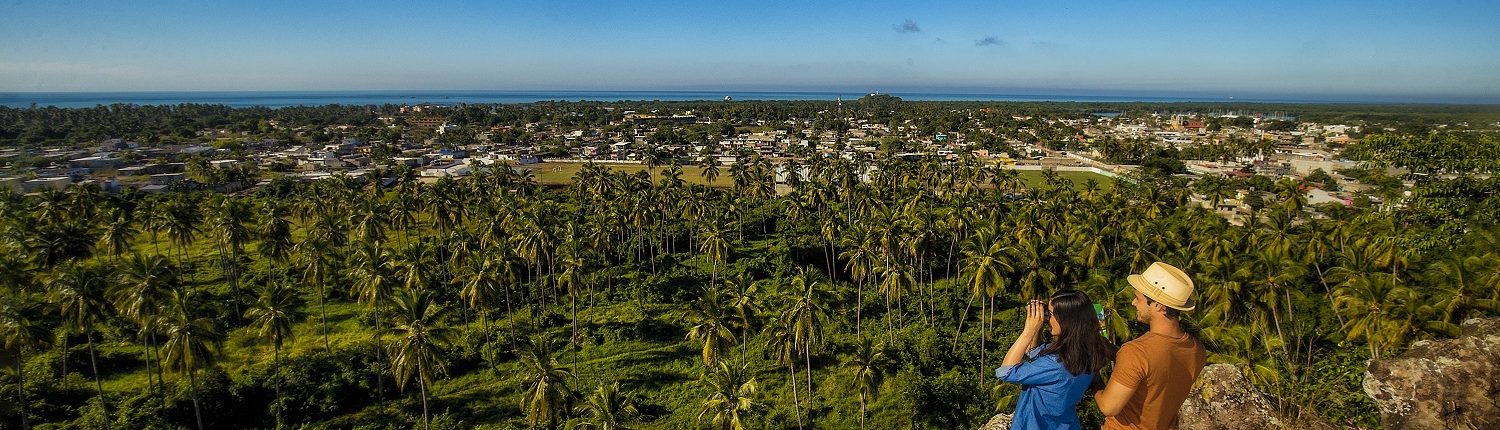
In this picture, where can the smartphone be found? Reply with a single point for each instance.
(1099, 313)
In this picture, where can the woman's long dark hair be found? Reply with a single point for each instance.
(1079, 346)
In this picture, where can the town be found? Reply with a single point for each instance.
(432, 141)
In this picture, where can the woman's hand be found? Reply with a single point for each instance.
(1036, 316)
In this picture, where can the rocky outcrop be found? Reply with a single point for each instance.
(1223, 399)
(998, 422)
(1445, 384)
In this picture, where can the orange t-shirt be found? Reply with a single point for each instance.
(1162, 370)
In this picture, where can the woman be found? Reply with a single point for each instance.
(1054, 376)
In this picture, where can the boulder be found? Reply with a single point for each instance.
(997, 422)
(1444, 384)
(1223, 398)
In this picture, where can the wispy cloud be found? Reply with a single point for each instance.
(989, 41)
(907, 27)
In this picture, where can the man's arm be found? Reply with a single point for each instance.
(1113, 398)
(1129, 373)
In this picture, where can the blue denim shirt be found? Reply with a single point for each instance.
(1049, 393)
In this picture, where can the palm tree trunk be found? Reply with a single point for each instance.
(193, 386)
(65, 361)
(379, 375)
(1327, 291)
(422, 385)
(984, 330)
(862, 413)
(796, 404)
(21, 389)
(859, 306)
(276, 364)
(323, 310)
(807, 356)
(961, 317)
(511, 315)
(161, 381)
(99, 384)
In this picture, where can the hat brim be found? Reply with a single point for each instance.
(1140, 284)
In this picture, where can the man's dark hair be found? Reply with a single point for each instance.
(1169, 311)
(1079, 346)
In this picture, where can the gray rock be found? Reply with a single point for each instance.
(1445, 384)
(998, 422)
(1224, 399)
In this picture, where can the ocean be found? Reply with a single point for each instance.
(275, 99)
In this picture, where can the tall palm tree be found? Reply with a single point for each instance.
(712, 320)
(869, 371)
(271, 317)
(228, 222)
(714, 246)
(606, 409)
(78, 292)
(192, 343)
(421, 337)
(806, 315)
(372, 288)
(985, 265)
(731, 397)
(275, 234)
(118, 233)
(546, 385)
(481, 289)
(23, 326)
(710, 165)
(142, 294)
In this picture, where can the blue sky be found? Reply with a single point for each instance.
(1421, 50)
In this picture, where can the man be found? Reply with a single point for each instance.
(1153, 373)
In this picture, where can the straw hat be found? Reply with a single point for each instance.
(1166, 285)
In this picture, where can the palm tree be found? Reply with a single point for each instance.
(806, 315)
(228, 224)
(481, 289)
(271, 317)
(710, 165)
(869, 370)
(421, 338)
(192, 343)
(1269, 274)
(714, 246)
(546, 384)
(985, 265)
(275, 234)
(23, 326)
(372, 288)
(142, 294)
(606, 409)
(731, 397)
(1375, 309)
(712, 324)
(118, 233)
(1458, 291)
(78, 292)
